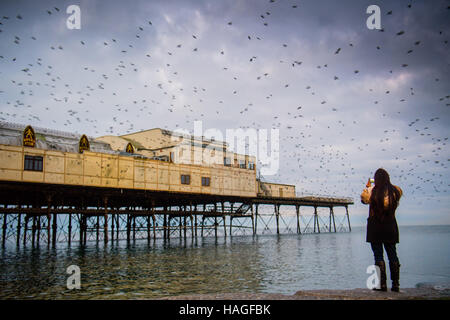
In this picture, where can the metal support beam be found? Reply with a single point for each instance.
(80, 222)
(25, 230)
(49, 217)
(195, 220)
(33, 230)
(84, 229)
(253, 220)
(185, 225)
(153, 219)
(165, 223)
(277, 217)
(223, 217)
(231, 225)
(112, 227)
(192, 225)
(97, 228)
(215, 220)
(55, 229)
(297, 212)
(70, 229)
(316, 220)
(5, 218)
(332, 217)
(148, 227)
(134, 227)
(190, 216)
(348, 218)
(256, 218)
(128, 226)
(154, 226)
(105, 222)
(19, 218)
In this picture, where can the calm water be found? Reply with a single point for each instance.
(269, 263)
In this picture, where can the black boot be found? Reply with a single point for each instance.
(395, 275)
(383, 285)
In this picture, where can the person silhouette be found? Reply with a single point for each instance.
(382, 229)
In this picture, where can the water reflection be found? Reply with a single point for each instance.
(135, 269)
(151, 269)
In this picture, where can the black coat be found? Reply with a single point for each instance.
(385, 230)
(382, 231)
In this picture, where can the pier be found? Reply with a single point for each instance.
(62, 187)
(36, 214)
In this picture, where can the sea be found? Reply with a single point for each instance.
(267, 263)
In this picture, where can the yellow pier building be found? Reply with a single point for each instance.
(150, 160)
(156, 175)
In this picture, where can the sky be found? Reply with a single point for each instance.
(346, 99)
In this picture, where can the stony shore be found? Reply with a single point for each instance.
(426, 293)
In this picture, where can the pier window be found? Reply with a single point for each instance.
(33, 163)
(206, 181)
(251, 165)
(185, 179)
(227, 161)
(242, 164)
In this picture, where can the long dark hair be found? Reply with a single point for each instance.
(382, 188)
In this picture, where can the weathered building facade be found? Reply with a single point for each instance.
(150, 180)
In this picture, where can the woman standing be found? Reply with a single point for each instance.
(382, 228)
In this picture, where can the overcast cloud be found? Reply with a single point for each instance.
(347, 100)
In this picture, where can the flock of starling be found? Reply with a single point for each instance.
(106, 83)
